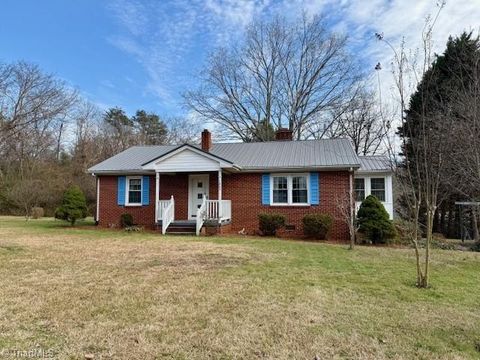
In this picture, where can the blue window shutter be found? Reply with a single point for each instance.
(121, 184)
(314, 189)
(146, 190)
(266, 189)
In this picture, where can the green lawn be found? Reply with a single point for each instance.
(125, 295)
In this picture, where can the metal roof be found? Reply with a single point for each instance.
(332, 153)
(132, 158)
(272, 155)
(375, 163)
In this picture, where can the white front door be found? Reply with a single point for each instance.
(198, 189)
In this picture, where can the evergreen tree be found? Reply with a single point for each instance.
(374, 222)
(432, 109)
(74, 205)
(151, 130)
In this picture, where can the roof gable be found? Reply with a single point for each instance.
(186, 158)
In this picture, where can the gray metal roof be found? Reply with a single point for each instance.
(326, 153)
(333, 153)
(376, 163)
(132, 158)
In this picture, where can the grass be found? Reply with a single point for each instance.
(123, 295)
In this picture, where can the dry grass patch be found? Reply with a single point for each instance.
(143, 296)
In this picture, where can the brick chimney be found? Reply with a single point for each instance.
(206, 140)
(284, 134)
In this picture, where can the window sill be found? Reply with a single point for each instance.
(133, 205)
(291, 205)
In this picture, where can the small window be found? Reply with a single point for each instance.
(200, 184)
(134, 191)
(299, 190)
(280, 190)
(378, 188)
(200, 196)
(359, 189)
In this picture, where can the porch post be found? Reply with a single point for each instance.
(220, 184)
(220, 208)
(157, 195)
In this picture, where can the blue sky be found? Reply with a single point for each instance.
(145, 53)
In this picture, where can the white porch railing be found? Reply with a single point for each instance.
(201, 216)
(162, 205)
(218, 210)
(166, 213)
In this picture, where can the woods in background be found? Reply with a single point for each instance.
(49, 136)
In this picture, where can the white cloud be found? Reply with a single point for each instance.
(169, 38)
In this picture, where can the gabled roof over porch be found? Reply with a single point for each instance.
(188, 158)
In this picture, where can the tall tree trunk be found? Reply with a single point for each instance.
(476, 234)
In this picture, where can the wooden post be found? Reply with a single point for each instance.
(220, 208)
(157, 195)
(220, 184)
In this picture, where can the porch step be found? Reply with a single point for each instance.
(182, 228)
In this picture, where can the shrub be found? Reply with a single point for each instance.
(317, 226)
(476, 246)
(374, 221)
(37, 212)
(126, 220)
(270, 223)
(74, 205)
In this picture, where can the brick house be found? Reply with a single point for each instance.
(222, 187)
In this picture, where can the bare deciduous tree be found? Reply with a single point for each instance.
(345, 205)
(422, 165)
(284, 75)
(362, 123)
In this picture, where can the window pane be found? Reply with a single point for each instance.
(359, 189)
(134, 197)
(378, 188)
(135, 184)
(279, 183)
(299, 196)
(280, 189)
(299, 189)
(299, 183)
(280, 196)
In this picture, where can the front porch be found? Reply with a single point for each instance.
(211, 212)
(185, 202)
(188, 187)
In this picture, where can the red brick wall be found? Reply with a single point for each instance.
(110, 212)
(245, 192)
(176, 185)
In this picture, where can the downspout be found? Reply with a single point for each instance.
(97, 215)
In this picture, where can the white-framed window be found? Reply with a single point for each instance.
(359, 189)
(134, 191)
(289, 189)
(377, 188)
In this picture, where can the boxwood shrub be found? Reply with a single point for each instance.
(270, 223)
(317, 226)
(126, 220)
